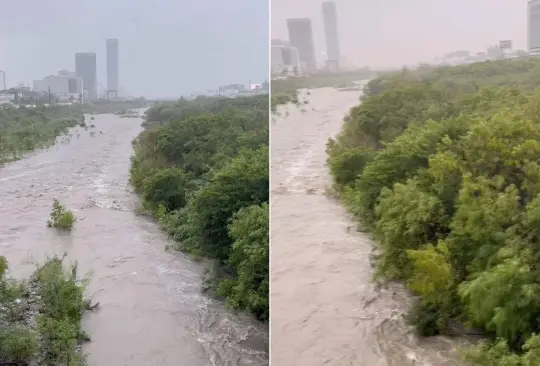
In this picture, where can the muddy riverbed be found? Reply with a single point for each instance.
(152, 309)
(325, 309)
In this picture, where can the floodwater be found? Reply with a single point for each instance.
(152, 310)
(325, 309)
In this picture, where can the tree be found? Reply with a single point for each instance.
(249, 258)
(444, 164)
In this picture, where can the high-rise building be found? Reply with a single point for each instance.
(3, 80)
(331, 32)
(533, 27)
(301, 37)
(112, 66)
(290, 56)
(86, 69)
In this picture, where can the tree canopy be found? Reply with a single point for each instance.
(444, 165)
(201, 168)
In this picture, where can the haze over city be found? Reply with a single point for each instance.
(167, 48)
(392, 33)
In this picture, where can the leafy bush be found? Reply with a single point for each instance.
(249, 258)
(64, 304)
(197, 166)
(61, 217)
(61, 304)
(242, 183)
(451, 188)
(17, 344)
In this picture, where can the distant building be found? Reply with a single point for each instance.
(37, 85)
(331, 33)
(533, 27)
(3, 80)
(291, 57)
(112, 66)
(276, 58)
(495, 53)
(86, 69)
(284, 60)
(301, 37)
(65, 86)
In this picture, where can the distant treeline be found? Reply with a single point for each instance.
(201, 169)
(112, 107)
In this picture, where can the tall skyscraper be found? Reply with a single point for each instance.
(331, 32)
(533, 27)
(112, 67)
(301, 37)
(86, 69)
(3, 80)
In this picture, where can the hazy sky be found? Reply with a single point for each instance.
(167, 47)
(396, 32)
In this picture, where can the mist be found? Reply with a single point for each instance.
(167, 47)
(392, 33)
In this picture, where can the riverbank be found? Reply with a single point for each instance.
(152, 307)
(23, 130)
(201, 169)
(40, 319)
(438, 162)
(325, 308)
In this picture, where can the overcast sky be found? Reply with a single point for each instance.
(167, 47)
(395, 32)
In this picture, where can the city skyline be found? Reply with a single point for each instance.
(392, 33)
(168, 48)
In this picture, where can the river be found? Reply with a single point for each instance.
(152, 310)
(325, 309)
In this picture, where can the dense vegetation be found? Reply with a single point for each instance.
(444, 165)
(26, 129)
(40, 318)
(201, 169)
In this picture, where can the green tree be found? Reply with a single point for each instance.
(249, 258)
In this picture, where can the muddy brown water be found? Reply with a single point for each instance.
(152, 309)
(325, 309)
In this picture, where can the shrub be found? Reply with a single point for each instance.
(17, 344)
(64, 304)
(61, 217)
